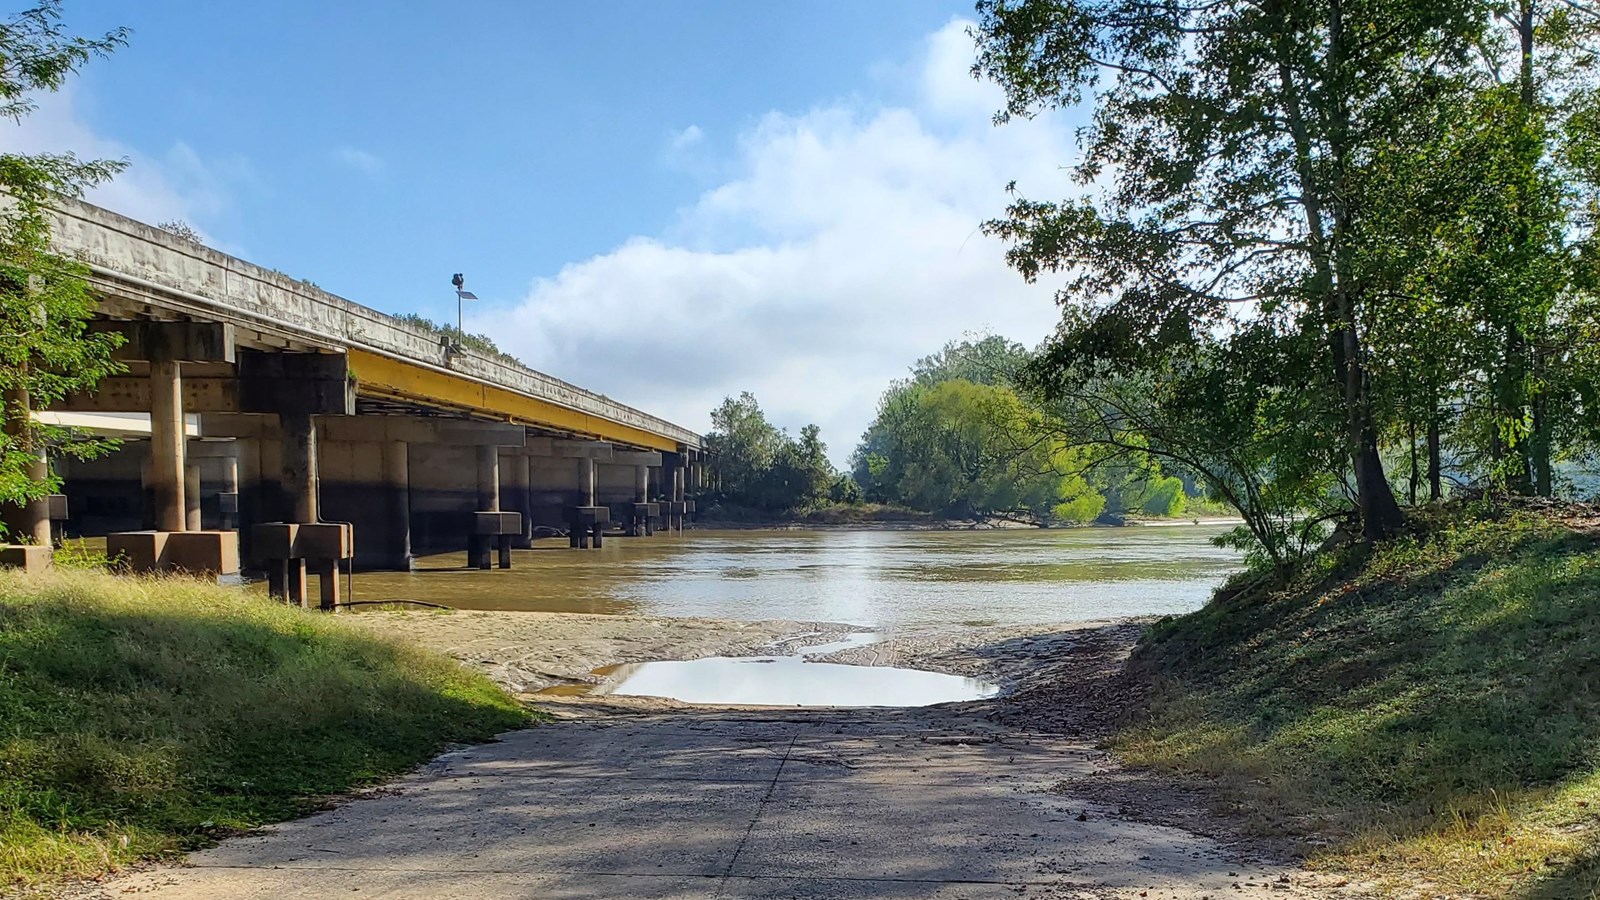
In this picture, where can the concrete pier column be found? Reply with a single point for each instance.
(480, 545)
(397, 490)
(228, 497)
(489, 479)
(30, 521)
(671, 488)
(299, 465)
(641, 482)
(191, 496)
(586, 480)
(167, 446)
(522, 495)
(251, 492)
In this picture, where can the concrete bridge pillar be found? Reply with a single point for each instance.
(478, 550)
(228, 497)
(672, 480)
(491, 527)
(30, 521)
(172, 483)
(251, 495)
(642, 521)
(522, 497)
(489, 479)
(167, 476)
(298, 466)
(191, 496)
(588, 520)
(397, 491)
(586, 480)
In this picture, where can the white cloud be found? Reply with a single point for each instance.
(844, 247)
(687, 138)
(369, 164)
(178, 184)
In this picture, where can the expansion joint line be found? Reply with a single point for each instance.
(761, 807)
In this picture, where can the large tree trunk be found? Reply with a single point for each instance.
(1435, 467)
(1539, 441)
(1415, 478)
(1380, 512)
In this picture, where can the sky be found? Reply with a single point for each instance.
(664, 203)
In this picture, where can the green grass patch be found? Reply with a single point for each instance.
(1427, 712)
(140, 717)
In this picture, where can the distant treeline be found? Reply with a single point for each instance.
(955, 439)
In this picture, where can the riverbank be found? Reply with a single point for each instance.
(1425, 715)
(538, 654)
(895, 518)
(141, 717)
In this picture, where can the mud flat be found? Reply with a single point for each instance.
(530, 651)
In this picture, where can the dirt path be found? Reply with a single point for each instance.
(635, 799)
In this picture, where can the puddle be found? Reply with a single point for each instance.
(784, 681)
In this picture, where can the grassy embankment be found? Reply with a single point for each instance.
(1427, 713)
(139, 717)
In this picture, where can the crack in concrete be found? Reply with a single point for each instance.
(760, 808)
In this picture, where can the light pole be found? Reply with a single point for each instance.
(461, 295)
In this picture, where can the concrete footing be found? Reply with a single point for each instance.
(586, 523)
(674, 512)
(290, 551)
(198, 552)
(642, 519)
(27, 557)
(496, 530)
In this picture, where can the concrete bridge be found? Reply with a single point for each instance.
(301, 429)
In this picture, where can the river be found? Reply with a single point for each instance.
(877, 579)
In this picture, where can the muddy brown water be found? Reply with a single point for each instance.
(875, 579)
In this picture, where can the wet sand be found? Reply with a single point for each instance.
(530, 652)
(527, 652)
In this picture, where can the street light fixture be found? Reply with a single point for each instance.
(461, 295)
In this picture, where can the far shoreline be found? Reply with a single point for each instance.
(801, 524)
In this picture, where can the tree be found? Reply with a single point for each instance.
(1229, 413)
(970, 450)
(753, 463)
(1233, 135)
(181, 230)
(47, 350)
(987, 359)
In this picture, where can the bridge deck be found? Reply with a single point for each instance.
(144, 272)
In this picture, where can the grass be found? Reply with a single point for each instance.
(1425, 714)
(141, 717)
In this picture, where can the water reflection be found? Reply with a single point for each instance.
(875, 578)
(789, 681)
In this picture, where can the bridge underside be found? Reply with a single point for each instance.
(246, 431)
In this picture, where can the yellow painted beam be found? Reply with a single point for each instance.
(381, 376)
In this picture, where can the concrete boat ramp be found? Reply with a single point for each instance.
(607, 803)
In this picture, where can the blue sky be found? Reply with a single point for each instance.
(664, 202)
